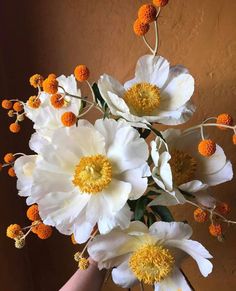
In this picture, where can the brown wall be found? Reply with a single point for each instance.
(54, 36)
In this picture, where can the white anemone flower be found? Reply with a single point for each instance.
(152, 256)
(46, 118)
(158, 93)
(182, 167)
(85, 175)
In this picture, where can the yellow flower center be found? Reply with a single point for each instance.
(93, 174)
(183, 167)
(151, 263)
(142, 98)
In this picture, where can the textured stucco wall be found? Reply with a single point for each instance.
(54, 36)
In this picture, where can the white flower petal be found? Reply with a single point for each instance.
(174, 282)
(123, 276)
(193, 186)
(168, 199)
(170, 230)
(82, 229)
(195, 250)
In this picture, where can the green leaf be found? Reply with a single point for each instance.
(163, 212)
(98, 95)
(151, 219)
(140, 207)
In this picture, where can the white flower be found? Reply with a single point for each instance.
(158, 93)
(85, 175)
(46, 118)
(184, 168)
(152, 255)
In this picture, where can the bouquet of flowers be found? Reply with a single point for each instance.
(110, 184)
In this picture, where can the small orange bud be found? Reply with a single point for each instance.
(34, 102)
(73, 239)
(50, 85)
(223, 208)
(35, 226)
(68, 118)
(234, 139)
(57, 101)
(13, 230)
(44, 231)
(160, 3)
(200, 215)
(14, 127)
(33, 212)
(225, 119)
(215, 229)
(140, 28)
(6, 104)
(147, 13)
(9, 158)
(11, 113)
(207, 147)
(18, 106)
(11, 172)
(36, 80)
(81, 73)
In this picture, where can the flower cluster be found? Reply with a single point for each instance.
(111, 183)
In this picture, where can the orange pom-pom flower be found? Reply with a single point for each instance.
(6, 104)
(224, 119)
(160, 3)
(9, 158)
(215, 229)
(13, 230)
(68, 119)
(207, 147)
(147, 13)
(34, 102)
(44, 231)
(140, 28)
(81, 73)
(18, 106)
(36, 80)
(14, 127)
(57, 101)
(33, 212)
(11, 172)
(50, 85)
(200, 215)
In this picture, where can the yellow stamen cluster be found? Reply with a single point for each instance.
(200, 215)
(147, 13)
(93, 174)
(140, 28)
(34, 102)
(160, 3)
(36, 80)
(207, 147)
(143, 98)
(183, 167)
(81, 73)
(151, 263)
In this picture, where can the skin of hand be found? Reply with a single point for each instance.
(83, 280)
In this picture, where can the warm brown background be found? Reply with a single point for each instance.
(54, 36)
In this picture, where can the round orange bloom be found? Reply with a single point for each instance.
(68, 118)
(13, 230)
(57, 101)
(147, 13)
(207, 147)
(50, 85)
(160, 3)
(6, 104)
(73, 239)
(200, 215)
(9, 158)
(223, 208)
(11, 172)
(225, 119)
(18, 106)
(234, 139)
(34, 102)
(81, 73)
(33, 212)
(36, 80)
(14, 127)
(140, 28)
(34, 226)
(215, 229)
(44, 231)
(52, 76)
